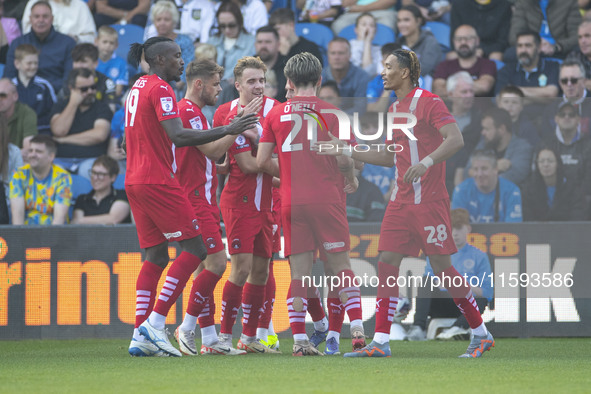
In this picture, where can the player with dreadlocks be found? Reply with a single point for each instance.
(159, 203)
(418, 214)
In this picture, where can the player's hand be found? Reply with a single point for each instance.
(351, 186)
(332, 147)
(252, 134)
(276, 182)
(223, 168)
(242, 123)
(253, 107)
(414, 173)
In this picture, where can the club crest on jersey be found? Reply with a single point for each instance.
(195, 224)
(166, 103)
(196, 123)
(236, 244)
(210, 242)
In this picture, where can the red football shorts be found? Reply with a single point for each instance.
(308, 227)
(249, 231)
(208, 217)
(408, 228)
(162, 213)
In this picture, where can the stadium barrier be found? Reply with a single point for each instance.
(79, 281)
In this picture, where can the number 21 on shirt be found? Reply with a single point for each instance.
(312, 125)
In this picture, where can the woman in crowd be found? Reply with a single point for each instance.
(10, 160)
(232, 41)
(419, 40)
(547, 195)
(104, 204)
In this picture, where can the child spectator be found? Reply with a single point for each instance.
(33, 90)
(104, 204)
(363, 53)
(110, 64)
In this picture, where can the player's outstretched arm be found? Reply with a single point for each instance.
(378, 155)
(188, 137)
(453, 142)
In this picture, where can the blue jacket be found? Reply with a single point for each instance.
(55, 58)
(481, 206)
(354, 85)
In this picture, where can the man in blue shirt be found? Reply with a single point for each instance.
(55, 62)
(437, 303)
(537, 77)
(487, 197)
(351, 80)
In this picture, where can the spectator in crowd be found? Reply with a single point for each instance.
(166, 17)
(548, 195)
(382, 10)
(104, 204)
(255, 14)
(470, 262)
(486, 196)
(10, 26)
(535, 76)
(379, 99)
(460, 89)
(556, 24)
(197, 19)
(329, 92)
(482, 70)
(513, 153)
(271, 86)
(54, 48)
(232, 42)
(351, 80)
(572, 84)
(40, 192)
(421, 41)
(510, 98)
(10, 160)
(109, 12)
(319, 11)
(573, 147)
(72, 18)
(363, 53)
(86, 56)
(367, 203)
(283, 20)
(109, 64)
(267, 48)
(583, 52)
(491, 19)
(22, 120)
(80, 124)
(33, 90)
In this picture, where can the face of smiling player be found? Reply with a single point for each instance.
(250, 85)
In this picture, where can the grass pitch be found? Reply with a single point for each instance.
(98, 365)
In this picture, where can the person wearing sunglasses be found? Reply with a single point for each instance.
(104, 204)
(80, 124)
(232, 41)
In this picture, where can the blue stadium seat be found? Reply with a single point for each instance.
(318, 34)
(285, 4)
(442, 32)
(119, 182)
(127, 34)
(80, 185)
(555, 59)
(384, 34)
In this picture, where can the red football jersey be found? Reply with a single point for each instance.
(431, 114)
(197, 173)
(220, 115)
(247, 191)
(306, 177)
(150, 153)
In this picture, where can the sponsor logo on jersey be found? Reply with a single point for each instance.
(240, 140)
(166, 103)
(196, 123)
(172, 235)
(333, 245)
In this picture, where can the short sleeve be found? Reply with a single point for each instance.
(164, 101)
(439, 115)
(268, 135)
(242, 144)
